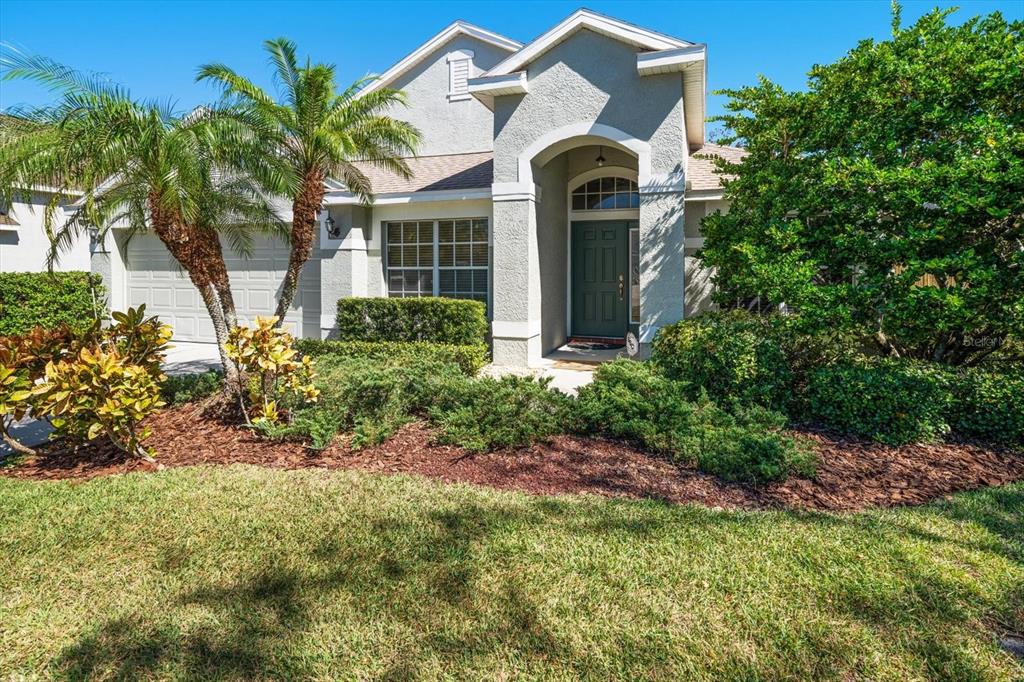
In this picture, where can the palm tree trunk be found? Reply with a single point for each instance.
(304, 209)
(199, 252)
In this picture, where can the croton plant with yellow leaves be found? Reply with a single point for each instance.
(272, 380)
(101, 382)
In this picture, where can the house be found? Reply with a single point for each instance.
(23, 240)
(561, 182)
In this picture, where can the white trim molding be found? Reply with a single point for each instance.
(341, 198)
(451, 31)
(666, 183)
(515, 191)
(670, 61)
(515, 330)
(486, 88)
(704, 195)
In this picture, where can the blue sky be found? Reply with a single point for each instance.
(153, 48)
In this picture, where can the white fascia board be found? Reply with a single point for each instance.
(583, 18)
(48, 189)
(505, 84)
(704, 195)
(668, 61)
(446, 34)
(342, 198)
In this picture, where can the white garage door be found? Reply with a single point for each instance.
(155, 279)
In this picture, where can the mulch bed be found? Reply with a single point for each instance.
(852, 474)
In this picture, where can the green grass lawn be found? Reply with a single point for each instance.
(244, 573)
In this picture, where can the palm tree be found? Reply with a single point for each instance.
(319, 134)
(140, 166)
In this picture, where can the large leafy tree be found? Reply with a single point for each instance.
(888, 198)
(319, 133)
(140, 167)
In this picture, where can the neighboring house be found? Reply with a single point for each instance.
(23, 240)
(560, 182)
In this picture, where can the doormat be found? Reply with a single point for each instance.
(580, 344)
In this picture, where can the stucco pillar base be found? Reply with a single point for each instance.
(517, 352)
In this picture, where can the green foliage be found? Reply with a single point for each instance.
(309, 130)
(441, 320)
(637, 402)
(988, 404)
(729, 355)
(104, 383)
(272, 381)
(488, 413)
(469, 357)
(891, 401)
(370, 399)
(49, 300)
(186, 388)
(888, 198)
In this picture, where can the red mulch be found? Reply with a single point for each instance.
(852, 474)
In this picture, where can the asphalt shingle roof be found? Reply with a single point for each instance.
(432, 173)
(702, 173)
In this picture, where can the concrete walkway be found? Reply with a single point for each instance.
(186, 357)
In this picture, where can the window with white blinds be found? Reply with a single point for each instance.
(460, 66)
(449, 258)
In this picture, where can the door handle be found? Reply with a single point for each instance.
(622, 287)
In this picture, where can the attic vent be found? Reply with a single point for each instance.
(460, 65)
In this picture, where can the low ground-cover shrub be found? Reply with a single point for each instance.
(638, 402)
(891, 401)
(49, 300)
(488, 413)
(441, 320)
(469, 357)
(369, 399)
(186, 388)
(729, 355)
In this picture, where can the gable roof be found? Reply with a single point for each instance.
(700, 171)
(446, 34)
(639, 37)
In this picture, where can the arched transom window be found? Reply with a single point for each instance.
(606, 193)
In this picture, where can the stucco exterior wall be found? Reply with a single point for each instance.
(590, 77)
(448, 127)
(23, 248)
(553, 251)
(699, 285)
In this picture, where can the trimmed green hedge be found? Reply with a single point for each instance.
(890, 401)
(48, 300)
(469, 358)
(902, 401)
(730, 355)
(441, 320)
(988, 403)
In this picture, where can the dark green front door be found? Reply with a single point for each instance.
(600, 278)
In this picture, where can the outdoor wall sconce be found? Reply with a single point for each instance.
(333, 231)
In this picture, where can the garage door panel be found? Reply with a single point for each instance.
(156, 280)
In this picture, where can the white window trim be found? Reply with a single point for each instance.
(455, 58)
(632, 286)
